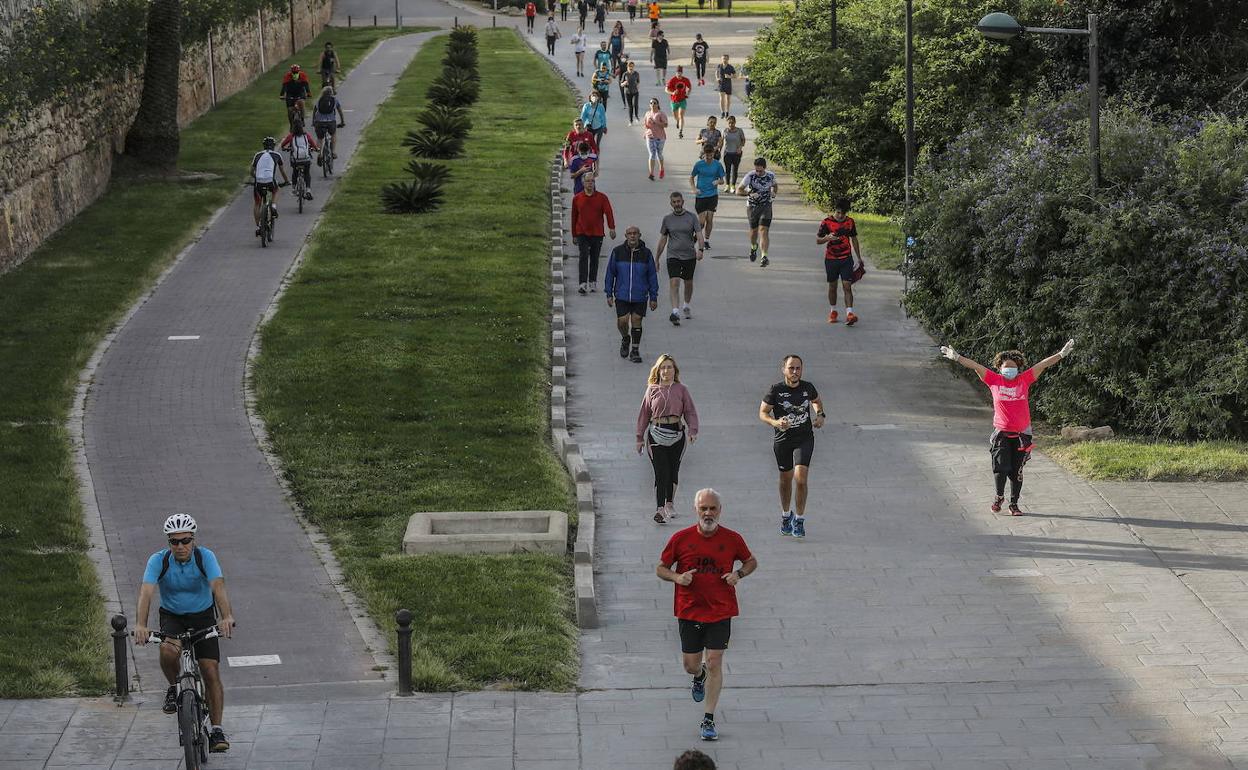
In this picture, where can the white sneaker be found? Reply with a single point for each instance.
(583, 289)
(688, 312)
(671, 510)
(593, 286)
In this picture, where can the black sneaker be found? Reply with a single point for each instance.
(217, 742)
(706, 244)
(635, 356)
(674, 318)
(623, 347)
(171, 700)
(764, 262)
(753, 253)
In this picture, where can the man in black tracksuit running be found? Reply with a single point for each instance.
(631, 280)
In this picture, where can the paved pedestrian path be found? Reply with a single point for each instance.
(166, 429)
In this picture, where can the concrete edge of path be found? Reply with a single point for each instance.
(75, 424)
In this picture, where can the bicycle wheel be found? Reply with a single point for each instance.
(264, 224)
(189, 728)
(299, 190)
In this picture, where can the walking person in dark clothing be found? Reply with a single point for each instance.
(600, 16)
(552, 34)
(630, 282)
(630, 82)
(563, 10)
(667, 418)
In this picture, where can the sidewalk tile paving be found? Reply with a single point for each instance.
(912, 629)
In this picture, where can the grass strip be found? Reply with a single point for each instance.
(739, 8)
(880, 239)
(1131, 459)
(406, 370)
(57, 306)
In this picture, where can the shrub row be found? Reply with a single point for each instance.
(444, 129)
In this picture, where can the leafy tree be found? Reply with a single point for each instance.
(153, 139)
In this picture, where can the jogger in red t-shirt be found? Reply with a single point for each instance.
(701, 561)
(1010, 445)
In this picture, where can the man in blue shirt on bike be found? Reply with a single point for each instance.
(192, 594)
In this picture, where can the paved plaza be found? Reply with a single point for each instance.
(912, 629)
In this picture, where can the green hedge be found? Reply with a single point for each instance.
(1151, 277)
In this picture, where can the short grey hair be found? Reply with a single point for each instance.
(708, 491)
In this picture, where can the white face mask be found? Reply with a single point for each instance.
(1009, 372)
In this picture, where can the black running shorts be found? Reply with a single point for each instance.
(788, 446)
(696, 637)
(624, 307)
(706, 203)
(759, 216)
(173, 623)
(681, 268)
(839, 269)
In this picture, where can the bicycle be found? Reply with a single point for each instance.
(266, 214)
(299, 182)
(194, 722)
(327, 155)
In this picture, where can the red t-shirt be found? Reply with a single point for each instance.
(530, 10)
(679, 85)
(839, 249)
(1010, 408)
(575, 140)
(709, 598)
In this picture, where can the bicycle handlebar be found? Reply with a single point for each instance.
(188, 637)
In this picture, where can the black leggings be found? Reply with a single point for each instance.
(732, 164)
(666, 462)
(550, 45)
(700, 66)
(1010, 452)
(590, 252)
(632, 100)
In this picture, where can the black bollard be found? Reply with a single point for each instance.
(348, 21)
(119, 659)
(374, 19)
(494, 21)
(404, 619)
(456, 22)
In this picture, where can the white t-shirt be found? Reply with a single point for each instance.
(578, 42)
(266, 163)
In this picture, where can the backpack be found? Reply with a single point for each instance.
(325, 105)
(199, 562)
(300, 150)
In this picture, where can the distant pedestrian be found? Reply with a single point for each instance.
(590, 209)
(694, 759)
(573, 140)
(733, 145)
(530, 15)
(582, 10)
(579, 43)
(792, 406)
(630, 85)
(602, 56)
(615, 44)
(701, 560)
(656, 136)
(631, 281)
(666, 421)
(1010, 445)
(659, 50)
(600, 16)
(594, 115)
(701, 50)
(842, 256)
(710, 135)
(583, 166)
(602, 84)
(552, 34)
(563, 10)
(760, 188)
(681, 235)
(678, 88)
(632, 11)
(707, 176)
(653, 10)
(724, 73)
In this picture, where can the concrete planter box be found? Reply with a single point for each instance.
(487, 532)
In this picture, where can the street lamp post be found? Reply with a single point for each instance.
(1002, 26)
(909, 99)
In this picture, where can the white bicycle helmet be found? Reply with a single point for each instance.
(179, 522)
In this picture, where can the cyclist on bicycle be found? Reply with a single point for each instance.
(323, 116)
(295, 88)
(192, 594)
(264, 167)
(329, 66)
(300, 144)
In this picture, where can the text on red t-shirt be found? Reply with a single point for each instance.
(709, 598)
(679, 86)
(1010, 409)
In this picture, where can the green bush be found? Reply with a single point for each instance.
(428, 144)
(451, 121)
(415, 197)
(453, 92)
(423, 170)
(1149, 276)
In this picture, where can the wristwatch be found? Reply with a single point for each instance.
(740, 576)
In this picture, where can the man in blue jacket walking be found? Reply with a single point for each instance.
(631, 281)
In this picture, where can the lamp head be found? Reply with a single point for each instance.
(999, 26)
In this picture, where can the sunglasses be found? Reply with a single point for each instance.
(181, 540)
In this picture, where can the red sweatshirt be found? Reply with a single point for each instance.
(587, 214)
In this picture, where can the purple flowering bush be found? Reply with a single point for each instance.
(1150, 275)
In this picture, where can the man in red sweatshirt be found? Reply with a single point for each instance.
(589, 209)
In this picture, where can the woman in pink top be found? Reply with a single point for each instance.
(667, 414)
(1010, 444)
(656, 134)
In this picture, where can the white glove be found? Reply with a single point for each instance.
(949, 353)
(1065, 351)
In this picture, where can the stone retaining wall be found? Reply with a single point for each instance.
(58, 160)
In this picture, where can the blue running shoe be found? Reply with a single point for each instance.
(699, 686)
(799, 527)
(786, 523)
(709, 733)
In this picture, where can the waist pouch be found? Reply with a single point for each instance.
(664, 436)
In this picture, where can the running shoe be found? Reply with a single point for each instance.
(681, 133)
(764, 262)
(851, 319)
(171, 700)
(217, 742)
(832, 316)
(651, 177)
(1015, 510)
(996, 504)
(661, 172)
(706, 244)
(708, 731)
(659, 516)
(699, 686)
(671, 510)
(257, 231)
(635, 357)
(688, 312)
(582, 289)
(674, 317)
(799, 527)
(623, 347)
(593, 286)
(753, 252)
(786, 523)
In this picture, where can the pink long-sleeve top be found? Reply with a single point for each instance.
(674, 400)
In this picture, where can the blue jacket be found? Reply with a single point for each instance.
(631, 274)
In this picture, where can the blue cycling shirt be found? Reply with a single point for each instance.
(184, 590)
(705, 173)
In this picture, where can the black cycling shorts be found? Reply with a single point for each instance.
(325, 128)
(759, 216)
(696, 637)
(681, 268)
(259, 189)
(624, 307)
(173, 623)
(787, 446)
(706, 203)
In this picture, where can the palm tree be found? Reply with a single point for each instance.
(153, 138)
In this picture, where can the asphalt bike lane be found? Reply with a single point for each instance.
(167, 429)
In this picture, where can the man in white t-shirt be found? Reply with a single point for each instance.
(761, 188)
(264, 167)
